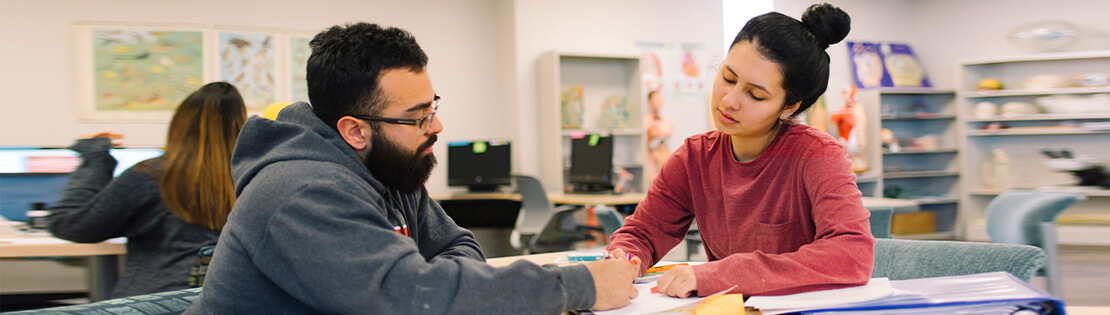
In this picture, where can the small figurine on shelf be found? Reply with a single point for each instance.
(615, 113)
(851, 129)
(890, 143)
(921, 110)
(997, 171)
(572, 107)
(1085, 168)
(659, 130)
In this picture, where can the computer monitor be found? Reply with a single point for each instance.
(481, 166)
(64, 161)
(34, 175)
(591, 163)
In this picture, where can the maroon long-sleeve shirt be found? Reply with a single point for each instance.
(789, 221)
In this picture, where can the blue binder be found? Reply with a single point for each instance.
(985, 293)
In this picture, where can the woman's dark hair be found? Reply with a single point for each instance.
(798, 47)
(347, 62)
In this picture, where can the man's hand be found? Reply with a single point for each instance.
(678, 282)
(613, 281)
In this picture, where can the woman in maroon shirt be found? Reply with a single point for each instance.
(775, 202)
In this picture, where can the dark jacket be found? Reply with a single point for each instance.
(312, 231)
(95, 207)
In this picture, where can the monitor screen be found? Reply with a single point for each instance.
(31, 175)
(479, 165)
(591, 162)
(37, 161)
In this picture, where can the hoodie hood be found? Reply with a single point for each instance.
(297, 134)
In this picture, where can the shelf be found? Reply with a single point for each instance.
(928, 236)
(866, 178)
(933, 117)
(1028, 131)
(920, 174)
(591, 55)
(1088, 193)
(936, 201)
(913, 91)
(1043, 117)
(1021, 92)
(921, 151)
(615, 132)
(1051, 56)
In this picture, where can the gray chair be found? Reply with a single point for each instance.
(911, 259)
(541, 227)
(880, 221)
(1027, 218)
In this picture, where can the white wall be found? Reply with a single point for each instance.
(945, 32)
(872, 20)
(461, 39)
(603, 27)
(960, 30)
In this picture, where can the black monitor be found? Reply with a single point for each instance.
(591, 163)
(481, 166)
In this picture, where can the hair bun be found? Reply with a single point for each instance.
(828, 24)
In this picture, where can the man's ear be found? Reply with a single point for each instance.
(355, 132)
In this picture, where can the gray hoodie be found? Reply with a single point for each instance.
(312, 231)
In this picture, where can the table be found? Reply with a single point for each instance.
(555, 198)
(548, 258)
(103, 257)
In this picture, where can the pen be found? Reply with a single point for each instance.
(663, 268)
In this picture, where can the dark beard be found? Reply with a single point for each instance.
(397, 169)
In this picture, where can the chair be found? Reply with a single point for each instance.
(880, 221)
(200, 267)
(542, 227)
(161, 303)
(911, 259)
(1027, 218)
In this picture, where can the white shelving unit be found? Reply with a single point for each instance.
(1024, 137)
(925, 168)
(601, 76)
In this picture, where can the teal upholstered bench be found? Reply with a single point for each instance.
(172, 302)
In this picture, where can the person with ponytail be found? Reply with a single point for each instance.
(775, 202)
(167, 207)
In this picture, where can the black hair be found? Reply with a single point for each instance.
(347, 62)
(798, 47)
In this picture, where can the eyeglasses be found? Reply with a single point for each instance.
(421, 124)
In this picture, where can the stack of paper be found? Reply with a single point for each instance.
(986, 293)
(877, 290)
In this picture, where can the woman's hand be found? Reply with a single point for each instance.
(678, 282)
(105, 134)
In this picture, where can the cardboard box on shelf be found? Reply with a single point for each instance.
(919, 222)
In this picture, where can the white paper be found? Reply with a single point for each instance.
(648, 303)
(875, 289)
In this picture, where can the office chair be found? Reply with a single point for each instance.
(542, 227)
(911, 259)
(1027, 218)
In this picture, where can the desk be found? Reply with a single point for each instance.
(548, 258)
(555, 198)
(896, 205)
(103, 257)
